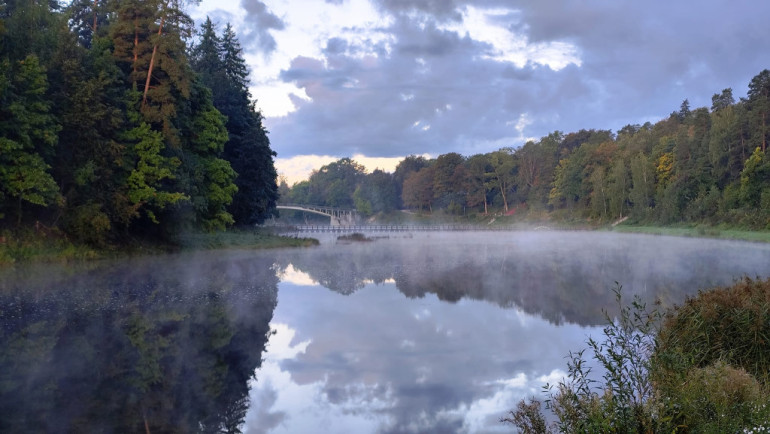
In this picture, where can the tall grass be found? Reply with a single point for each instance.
(702, 367)
(235, 238)
(698, 231)
(53, 246)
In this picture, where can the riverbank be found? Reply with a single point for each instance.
(52, 246)
(544, 220)
(696, 232)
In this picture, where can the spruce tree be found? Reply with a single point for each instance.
(248, 147)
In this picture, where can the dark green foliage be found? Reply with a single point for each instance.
(102, 151)
(220, 64)
(28, 136)
(712, 360)
(29, 27)
(335, 183)
(376, 194)
(759, 108)
(85, 16)
(203, 176)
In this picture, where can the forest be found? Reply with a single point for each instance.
(121, 119)
(702, 165)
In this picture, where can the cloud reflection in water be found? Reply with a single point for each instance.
(487, 320)
(377, 362)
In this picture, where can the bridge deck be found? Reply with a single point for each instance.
(390, 228)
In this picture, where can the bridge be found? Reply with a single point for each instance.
(392, 228)
(338, 216)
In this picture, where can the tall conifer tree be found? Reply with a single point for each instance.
(248, 147)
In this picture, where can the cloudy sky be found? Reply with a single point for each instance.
(381, 79)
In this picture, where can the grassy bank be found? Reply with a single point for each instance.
(241, 239)
(696, 231)
(564, 221)
(52, 246)
(27, 246)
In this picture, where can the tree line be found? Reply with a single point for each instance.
(696, 165)
(121, 119)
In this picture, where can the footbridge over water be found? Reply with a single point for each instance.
(338, 216)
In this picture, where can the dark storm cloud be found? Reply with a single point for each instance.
(259, 21)
(436, 90)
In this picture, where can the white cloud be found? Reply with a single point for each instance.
(296, 277)
(567, 64)
(307, 407)
(280, 343)
(306, 31)
(299, 167)
(276, 98)
(488, 25)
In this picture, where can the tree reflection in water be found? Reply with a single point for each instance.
(164, 344)
(170, 344)
(560, 276)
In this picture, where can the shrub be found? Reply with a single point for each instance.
(619, 403)
(528, 418)
(712, 363)
(88, 223)
(727, 324)
(707, 370)
(716, 399)
(355, 236)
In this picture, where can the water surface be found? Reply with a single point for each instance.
(410, 333)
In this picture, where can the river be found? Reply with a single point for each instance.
(425, 332)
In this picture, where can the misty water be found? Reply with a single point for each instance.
(426, 332)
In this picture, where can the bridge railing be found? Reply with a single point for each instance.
(390, 228)
(316, 207)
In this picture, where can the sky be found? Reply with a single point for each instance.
(378, 80)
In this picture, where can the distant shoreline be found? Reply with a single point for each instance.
(35, 247)
(31, 247)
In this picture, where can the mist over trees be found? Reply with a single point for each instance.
(117, 121)
(705, 165)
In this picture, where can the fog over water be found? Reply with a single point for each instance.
(487, 320)
(424, 332)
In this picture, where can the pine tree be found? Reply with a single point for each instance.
(207, 58)
(759, 108)
(149, 42)
(30, 28)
